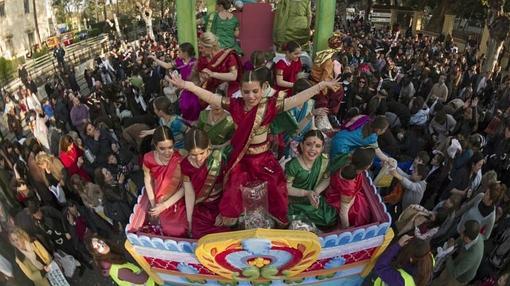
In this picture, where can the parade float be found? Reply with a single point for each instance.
(262, 256)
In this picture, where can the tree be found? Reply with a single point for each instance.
(499, 27)
(144, 7)
(36, 24)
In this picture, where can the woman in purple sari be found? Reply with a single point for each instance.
(189, 104)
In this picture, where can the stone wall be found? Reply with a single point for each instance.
(18, 25)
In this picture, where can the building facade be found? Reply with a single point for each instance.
(18, 28)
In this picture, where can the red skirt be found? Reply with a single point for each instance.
(204, 217)
(260, 167)
(173, 220)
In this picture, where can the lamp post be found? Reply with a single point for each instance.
(324, 24)
(186, 22)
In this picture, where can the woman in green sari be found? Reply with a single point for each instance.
(224, 25)
(307, 177)
(218, 125)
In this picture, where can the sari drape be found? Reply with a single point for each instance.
(166, 181)
(242, 168)
(207, 194)
(222, 62)
(324, 215)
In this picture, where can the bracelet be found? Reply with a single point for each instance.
(320, 87)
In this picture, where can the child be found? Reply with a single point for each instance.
(414, 185)
(257, 60)
(48, 110)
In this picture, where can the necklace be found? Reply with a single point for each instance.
(159, 161)
(213, 119)
(306, 165)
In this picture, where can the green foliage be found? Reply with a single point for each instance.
(6, 68)
(40, 52)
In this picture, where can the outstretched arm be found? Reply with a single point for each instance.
(306, 94)
(161, 63)
(203, 94)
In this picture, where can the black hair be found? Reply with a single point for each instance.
(164, 104)
(257, 58)
(300, 85)
(225, 3)
(422, 170)
(33, 207)
(379, 122)
(424, 156)
(161, 134)
(362, 158)
(348, 172)
(291, 47)
(196, 138)
(312, 133)
(471, 229)
(260, 75)
(188, 49)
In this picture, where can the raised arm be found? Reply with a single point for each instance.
(203, 94)
(161, 63)
(306, 94)
(226, 76)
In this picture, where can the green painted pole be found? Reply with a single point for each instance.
(186, 22)
(211, 6)
(324, 24)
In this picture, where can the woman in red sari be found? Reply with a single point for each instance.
(216, 65)
(345, 191)
(201, 171)
(288, 68)
(163, 180)
(251, 158)
(71, 157)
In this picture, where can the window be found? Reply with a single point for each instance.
(27, 6)
(2, 9)
(31, 39)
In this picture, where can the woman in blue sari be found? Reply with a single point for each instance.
(293, 124)
(357, 135)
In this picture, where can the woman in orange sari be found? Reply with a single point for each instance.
(163, 182)
(251, 159)
(217, 66)
(201, 171)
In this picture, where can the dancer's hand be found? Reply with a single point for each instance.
(314, 199)
(330, 84)
(176, 81)
(157, 210)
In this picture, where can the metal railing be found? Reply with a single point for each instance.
(43, 68)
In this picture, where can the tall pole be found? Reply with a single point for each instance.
(324, 24)
(186, 22)
(211, 6)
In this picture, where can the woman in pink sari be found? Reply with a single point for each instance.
(288, 68)
(345, 191)
(201, 171)
(163, 184)
(217, 66)
(189, 104)
(251, 158)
